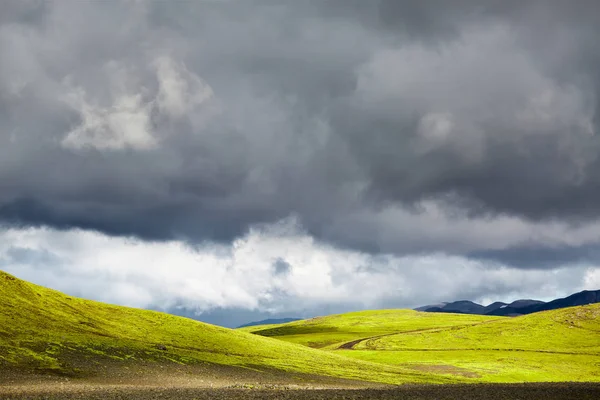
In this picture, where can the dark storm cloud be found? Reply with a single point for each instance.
(388, 126)
(542, 257)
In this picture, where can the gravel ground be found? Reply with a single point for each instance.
(550, 391)
(175, 382)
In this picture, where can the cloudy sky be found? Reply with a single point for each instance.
(235, 160)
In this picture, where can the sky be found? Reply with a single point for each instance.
(239, 160)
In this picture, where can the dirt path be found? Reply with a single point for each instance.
(350, 345)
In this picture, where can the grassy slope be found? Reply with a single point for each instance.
(559, 345)
(45, 330)
(333, 330)
(568, 330)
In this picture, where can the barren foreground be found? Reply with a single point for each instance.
(554, 391)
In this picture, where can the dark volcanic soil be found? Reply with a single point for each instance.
(546, 391)
(176, 382)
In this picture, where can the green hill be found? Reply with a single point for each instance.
(45, 331)
(574, 330)
(559, 345)
(334, 330)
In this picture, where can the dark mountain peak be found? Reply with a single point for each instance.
(506, 311)
(461, 306)
(576, 299)
(524, 303)
(517, 307)
(594, 292)
(494, 306)
(427, 307)
(591, 295)
(464, 302)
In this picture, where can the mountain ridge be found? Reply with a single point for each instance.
(515, 308)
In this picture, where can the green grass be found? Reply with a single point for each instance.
(559, 345)
(45, 330)
(491, 365)
(334, 330)
(568, 330)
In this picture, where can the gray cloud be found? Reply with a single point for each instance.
(281, 267)
(387, 126)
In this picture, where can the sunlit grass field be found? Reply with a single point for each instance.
(333, 330)
(559, 345)
(568, 330)
(45, 331)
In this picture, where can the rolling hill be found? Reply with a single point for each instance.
(557, 345)
(47, 333)
(568, 330)
(43, 331)
(333, 330)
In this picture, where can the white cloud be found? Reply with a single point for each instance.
(124, 124)
(592, 279)
(244, 274)
(136, 116)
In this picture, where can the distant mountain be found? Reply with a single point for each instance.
(517, 307)
(525, 303)
(494, 306)
(439, 305)
(577, 299)
(270, 321)
(461, 307)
